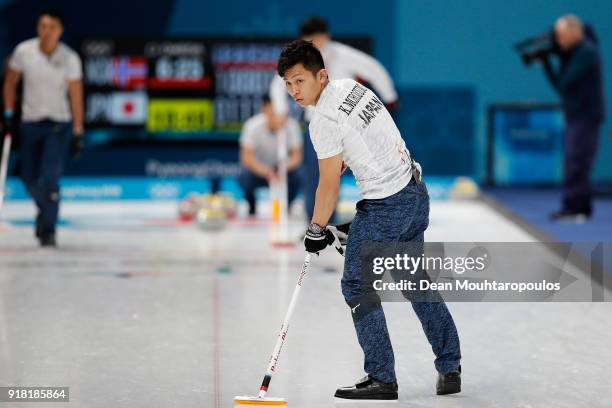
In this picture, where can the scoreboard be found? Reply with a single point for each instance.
(179, 88)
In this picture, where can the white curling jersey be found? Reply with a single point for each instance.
(45, 80)
(349, 119)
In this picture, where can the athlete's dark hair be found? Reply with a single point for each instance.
(314, 25)
(300, 52)
(53, 13)
(265, 100)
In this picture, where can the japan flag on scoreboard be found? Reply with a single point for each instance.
(128, 108)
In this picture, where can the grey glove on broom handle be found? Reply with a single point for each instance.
(341, 231)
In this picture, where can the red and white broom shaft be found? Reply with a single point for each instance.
(284, 329)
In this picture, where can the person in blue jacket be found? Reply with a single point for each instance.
(578, 80)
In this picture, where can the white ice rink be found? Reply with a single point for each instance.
(137, 310)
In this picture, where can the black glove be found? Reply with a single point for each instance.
(76, 146)
(8, 126)
(318, 238)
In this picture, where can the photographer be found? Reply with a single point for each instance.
(579, 82)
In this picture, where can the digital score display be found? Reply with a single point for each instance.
(177, 89)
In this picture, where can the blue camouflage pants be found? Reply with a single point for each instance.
(403, 217)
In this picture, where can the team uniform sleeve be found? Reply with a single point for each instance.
(326, 138)
(247, 136)
(278, 96)
(75, 68)
(16, 62)
(368, 68)
(294, 134)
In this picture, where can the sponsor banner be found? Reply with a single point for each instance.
(174, 181)
(207, 168)
(126, 188)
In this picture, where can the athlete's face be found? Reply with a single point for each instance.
(49, 30)
(304, 86)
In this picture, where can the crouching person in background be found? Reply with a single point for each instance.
(259, 153)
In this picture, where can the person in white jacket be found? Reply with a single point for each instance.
(342, 62)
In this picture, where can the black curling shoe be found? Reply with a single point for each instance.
(449, 383)
(369, 388)
(48, 240)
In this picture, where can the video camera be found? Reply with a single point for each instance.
(538, 47)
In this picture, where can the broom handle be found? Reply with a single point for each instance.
(284, 329)
(282, 186)
(6, 148)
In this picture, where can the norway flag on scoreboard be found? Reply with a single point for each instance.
(128, 108)
(129, 72)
